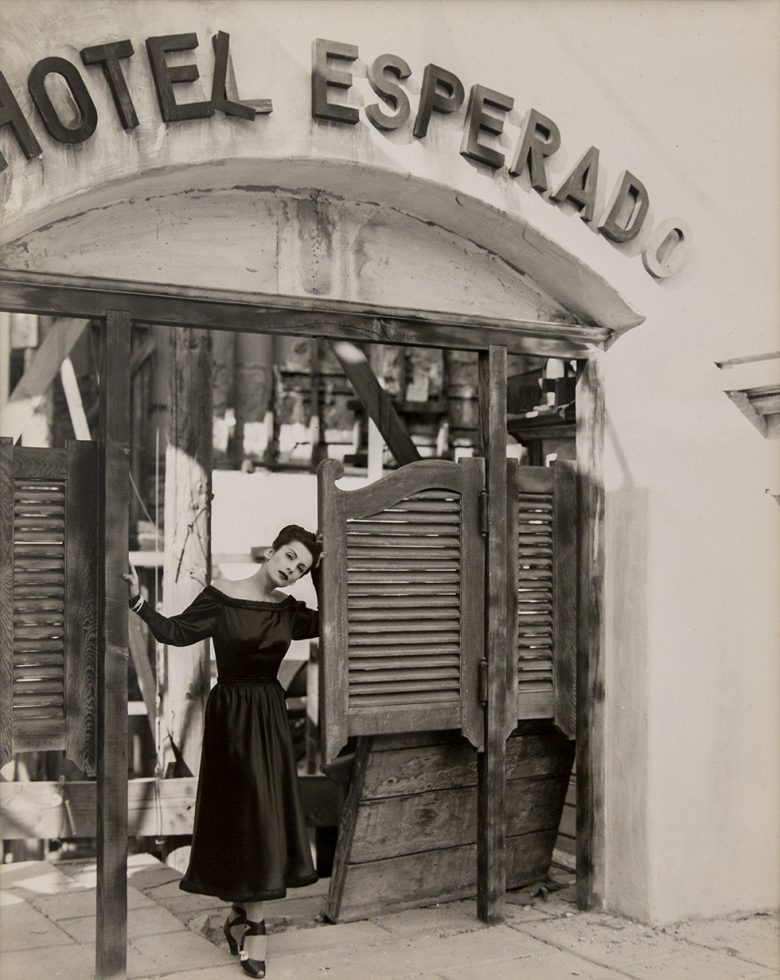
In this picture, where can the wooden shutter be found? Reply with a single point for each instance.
(543, 523)
(402, 602)
(48, 624)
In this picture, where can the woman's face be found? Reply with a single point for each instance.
(287, 563)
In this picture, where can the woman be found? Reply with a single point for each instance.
(249, 841)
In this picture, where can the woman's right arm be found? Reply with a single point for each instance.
(197, 622)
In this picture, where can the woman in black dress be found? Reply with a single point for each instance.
(249, 841)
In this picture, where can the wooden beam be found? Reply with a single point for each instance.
(376, 401)
(591, 721)
(59, 342)
(222, 309)
(138, 632)
(491, 764)
(41, 810)
(70, 385)
(155, 807)
(184, 676)
(112, 517)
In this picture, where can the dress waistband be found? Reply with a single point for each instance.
(247, 681)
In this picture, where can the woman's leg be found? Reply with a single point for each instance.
(254, 945)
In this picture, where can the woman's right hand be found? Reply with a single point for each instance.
(133, 585)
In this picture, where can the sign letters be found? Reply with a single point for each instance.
(333, 68)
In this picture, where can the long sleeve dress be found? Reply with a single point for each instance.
(249, 839)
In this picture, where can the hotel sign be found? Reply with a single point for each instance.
(441, 93)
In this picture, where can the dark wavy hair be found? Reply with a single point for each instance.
(293, 532)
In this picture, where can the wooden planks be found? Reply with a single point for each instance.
(491, 845)
(112, 522)
(409, 824)
(309, 315)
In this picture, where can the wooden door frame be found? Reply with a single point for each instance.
(124, 301)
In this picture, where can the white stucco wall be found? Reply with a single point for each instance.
(686, 97)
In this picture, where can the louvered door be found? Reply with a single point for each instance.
(402, 602)
(543, 525)
(48, 636)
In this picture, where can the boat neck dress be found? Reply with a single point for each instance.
(249, 840)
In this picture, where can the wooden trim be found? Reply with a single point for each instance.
(591, 721)
(376, 401)
(40, 464)
(349, 815)
(81, 604)
(472, 614)
(333, 611)
(403, 718)
(6, 599)
(513, 699)
(90, 297)
(112, 520)
(565, 583)
(491, 766)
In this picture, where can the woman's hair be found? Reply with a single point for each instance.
(292, 532)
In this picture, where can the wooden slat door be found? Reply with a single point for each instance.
(48, 625)
(402, 602)
(542, 510)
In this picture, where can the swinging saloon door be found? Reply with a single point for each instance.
(402, 602)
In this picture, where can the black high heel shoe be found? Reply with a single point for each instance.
(255, 968)
(239, 920)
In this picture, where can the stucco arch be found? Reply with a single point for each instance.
(315, 228)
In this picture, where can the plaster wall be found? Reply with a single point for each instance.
(680, 94)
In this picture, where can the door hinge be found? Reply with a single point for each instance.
(483, 512)
(482, 683)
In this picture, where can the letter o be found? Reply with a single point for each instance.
(78, 90)
(664, 254)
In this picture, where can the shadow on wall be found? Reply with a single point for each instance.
(629, 862)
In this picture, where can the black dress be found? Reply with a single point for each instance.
(249, 840)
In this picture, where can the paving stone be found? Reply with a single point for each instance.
(227, 972)
(32, 878)
(140, 922)
(604, 939)
(293, 910)
(527, 913)
(154, 877)
(181, 951)
(397, 958)
(72, 962)
(437, 920)
(554, 965)
(82, 902)
(755, 938)
(695, 964)
(360, 934)
(24, 928)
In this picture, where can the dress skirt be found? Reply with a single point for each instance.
(250, 841)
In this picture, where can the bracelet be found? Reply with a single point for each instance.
(136, 602)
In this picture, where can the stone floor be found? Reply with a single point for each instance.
(47, 929)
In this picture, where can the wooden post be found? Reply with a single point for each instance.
(187, 569)
(112, 517)
(491, 769)
(590, 639)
